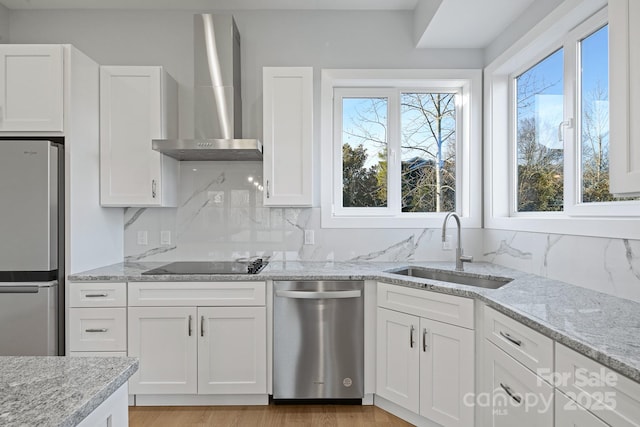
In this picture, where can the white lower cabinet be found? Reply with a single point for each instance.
(571, 414)
(97, 319)
(232, 346)
(165, 341)
(398, 360)
(425, 366)
(517, 396)
(446, 373)
(198, 350)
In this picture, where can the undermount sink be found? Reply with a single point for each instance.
(488, 282)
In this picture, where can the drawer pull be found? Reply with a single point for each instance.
(201, 326)
(511, 339)
(507, 389)
(96, 330)
(189, 329)
(411, 340)
(96, 295)
(425, 335)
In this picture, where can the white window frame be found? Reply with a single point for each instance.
(468, 83)
(572, 20)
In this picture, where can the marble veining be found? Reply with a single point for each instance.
(506, 248)
(404, 249)
(134, 217)
(58, 391)
(603, 327)
(607, 265)
(631, 258)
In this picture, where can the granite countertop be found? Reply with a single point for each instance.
(57, 391)
(600, 326)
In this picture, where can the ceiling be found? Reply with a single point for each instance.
(466, 23)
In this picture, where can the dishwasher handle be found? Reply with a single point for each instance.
(319, 294)
(19, 289)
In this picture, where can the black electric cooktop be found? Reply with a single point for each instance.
(210, 267)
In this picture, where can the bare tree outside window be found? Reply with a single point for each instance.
(428, 126)
(364, 152)
(428, 152)
(540, 154)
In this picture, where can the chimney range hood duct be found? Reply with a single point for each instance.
(218, 104)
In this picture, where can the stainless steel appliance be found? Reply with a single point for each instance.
(31, 247)
(218, 101)
(318, 340)
(210, 267)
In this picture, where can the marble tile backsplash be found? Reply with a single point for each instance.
(606, 265)
(221, 217)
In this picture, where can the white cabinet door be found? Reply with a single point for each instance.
(288, 135)
(570, 414)
(137, 105)
(624, 67)
(398, 358)
(31, 88)
(446, 373)
(518, 397)
(165, 341)
(232, 350)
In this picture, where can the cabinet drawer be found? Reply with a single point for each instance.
(518, 396)
(570, 414)
(607, 394)
(98, 329)
(98, 294)
(150, 294)
(430, 305)
(531, 348)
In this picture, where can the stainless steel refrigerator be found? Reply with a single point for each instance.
(31, 247)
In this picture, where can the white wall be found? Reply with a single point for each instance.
(4, 24)
(344, 39)
(519, 27)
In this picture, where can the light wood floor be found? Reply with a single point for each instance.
(271, 415)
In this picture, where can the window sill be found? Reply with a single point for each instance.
(329, 220)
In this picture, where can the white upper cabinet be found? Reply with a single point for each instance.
(137, 104)
(31, 88)
(624, 68)
(288, 136)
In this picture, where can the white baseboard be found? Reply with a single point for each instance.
(403, 413)
(200, 399)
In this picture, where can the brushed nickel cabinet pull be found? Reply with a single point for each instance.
(201, 326)
(507, 389)
(153, 188)
(96, 295)
(411, 340)
(425, 335)
(96, 330)
(511, 339)
(189, 328)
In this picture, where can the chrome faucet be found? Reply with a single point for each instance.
(460, 259)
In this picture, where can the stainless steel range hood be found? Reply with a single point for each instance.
(218, 103)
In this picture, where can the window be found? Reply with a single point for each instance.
(547, 131)
(540, 157)
(399, 148)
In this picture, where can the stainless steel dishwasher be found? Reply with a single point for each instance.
(318, 340)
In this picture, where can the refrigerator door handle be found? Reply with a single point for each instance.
(19, 289)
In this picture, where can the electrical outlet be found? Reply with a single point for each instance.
(309, 238)
(165, 237)
(143, 237)
(446, 245)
